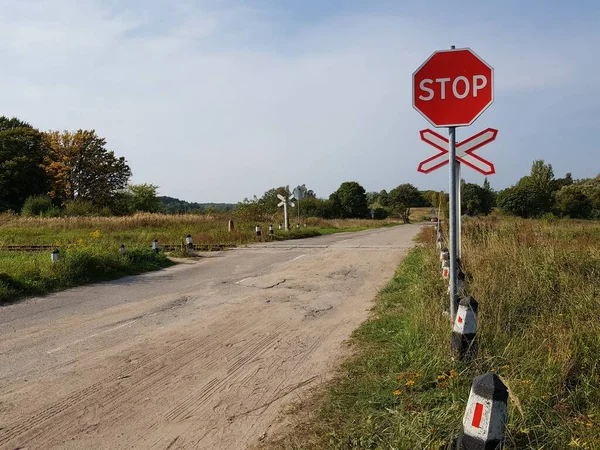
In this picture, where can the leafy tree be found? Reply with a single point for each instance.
(319, 207)
(571, 201)
(80, 167)
(142, 197)
(384, 198)
(269, 199)
(372, 198)
(349, 201)
(476, 200)
(21, 157)
(533, 195)
(403, 198)
(580, 199)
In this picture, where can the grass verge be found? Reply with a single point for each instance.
(26, 274)
(538, 287)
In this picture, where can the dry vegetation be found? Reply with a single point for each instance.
(89, 245)
(538, 287)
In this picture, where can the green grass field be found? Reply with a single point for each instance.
(538, 288)
(89, 245)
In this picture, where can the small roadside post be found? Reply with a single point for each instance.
(451, 89)
(155, 245)
(485, 416)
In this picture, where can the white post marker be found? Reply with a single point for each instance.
(188, 240)
(155, 245)
(485, 416)
(55, 255)
(258, 232)
(271, 229)
(230, 225)
(122, 249)
(465, 327)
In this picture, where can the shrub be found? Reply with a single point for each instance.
(39, 205)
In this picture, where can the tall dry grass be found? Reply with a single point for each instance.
(538, 287)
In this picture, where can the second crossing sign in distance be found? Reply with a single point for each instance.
(453, 87)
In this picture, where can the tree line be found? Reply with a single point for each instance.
(540, 194)
(72, 173)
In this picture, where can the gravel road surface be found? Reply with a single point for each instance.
(202, 355)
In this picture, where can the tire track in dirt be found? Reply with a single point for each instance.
(151, 370)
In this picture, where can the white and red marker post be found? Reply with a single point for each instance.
(465, 328)
(452, 88)
(485, 415)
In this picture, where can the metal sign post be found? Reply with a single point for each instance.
(453, 221)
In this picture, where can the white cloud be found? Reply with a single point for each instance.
(218, 104)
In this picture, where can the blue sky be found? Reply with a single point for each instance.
(218, 100)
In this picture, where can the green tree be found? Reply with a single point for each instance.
(349, 201)
(571, 201)
(21, 157)
(142, 197)
(476, 200)
(269, 199)
(384, 198)
(402, 198)
(80, 167)
(372, 198)
(533, 195)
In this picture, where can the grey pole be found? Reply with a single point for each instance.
(459, 213)
(285, 214)
(453, 223)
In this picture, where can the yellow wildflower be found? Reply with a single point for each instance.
(453, 373)
(95, 234)
(441, 377)
(410, 383)
(397, 392)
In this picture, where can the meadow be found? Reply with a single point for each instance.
(538, 288)
(89, 246)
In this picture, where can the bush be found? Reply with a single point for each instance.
(75, 208)
(39, 206)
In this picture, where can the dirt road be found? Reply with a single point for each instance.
(202, 355)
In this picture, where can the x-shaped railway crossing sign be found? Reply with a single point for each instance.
(464, 151)
(283, 200)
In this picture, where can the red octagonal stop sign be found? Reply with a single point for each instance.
(453, 87)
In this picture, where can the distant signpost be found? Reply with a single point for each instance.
(284, 202)
(298, 195)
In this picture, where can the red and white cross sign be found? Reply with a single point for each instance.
(464, 151)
